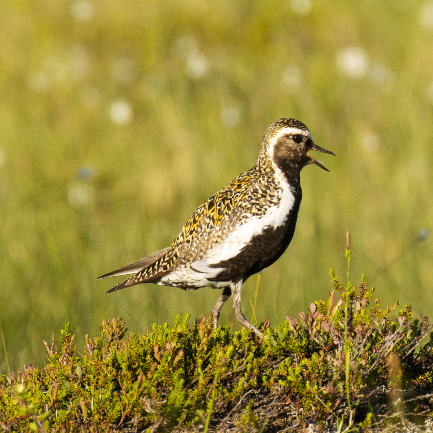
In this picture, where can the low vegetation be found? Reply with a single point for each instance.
(200, 379)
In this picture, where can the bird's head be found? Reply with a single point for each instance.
(286, 144)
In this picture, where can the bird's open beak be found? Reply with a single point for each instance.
(319, 149)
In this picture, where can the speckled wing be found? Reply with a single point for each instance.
(212, 222)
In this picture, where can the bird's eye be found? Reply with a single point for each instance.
(297, 138)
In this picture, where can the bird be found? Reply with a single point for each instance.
(241, 230)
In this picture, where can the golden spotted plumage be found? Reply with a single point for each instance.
(249, 194)
(242, 229)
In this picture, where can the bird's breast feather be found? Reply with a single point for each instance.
(242, 234)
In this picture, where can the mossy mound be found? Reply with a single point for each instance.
(197, 378)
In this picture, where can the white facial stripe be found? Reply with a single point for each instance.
(289, 131)
(285, 131)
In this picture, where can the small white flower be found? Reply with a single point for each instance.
(426, 15)
(230, 117)
(82, 10)
(80, 194)
(301, 7)
(292, 76)
(121, 112)
(370, 140)
(196, 65)
(353, 62)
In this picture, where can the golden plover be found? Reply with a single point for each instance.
(239, 231)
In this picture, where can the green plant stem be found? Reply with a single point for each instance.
(253, 306)
(212, 400)
(346, 343)
(6, 353)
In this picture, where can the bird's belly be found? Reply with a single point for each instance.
(262, 251)
(187, 278)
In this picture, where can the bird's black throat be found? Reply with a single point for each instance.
(262, 251)
(290, 162)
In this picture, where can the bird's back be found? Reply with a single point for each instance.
(219, 231)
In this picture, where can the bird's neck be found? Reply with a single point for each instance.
(292, 173)
(288, 173)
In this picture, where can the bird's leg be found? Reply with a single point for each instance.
(221, 300)
(237, 289)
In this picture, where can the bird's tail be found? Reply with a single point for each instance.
(144, 271)
(150, 274)
(132, 281)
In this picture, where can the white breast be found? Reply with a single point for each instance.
(240, 237)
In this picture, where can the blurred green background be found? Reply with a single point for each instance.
(117, 119)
